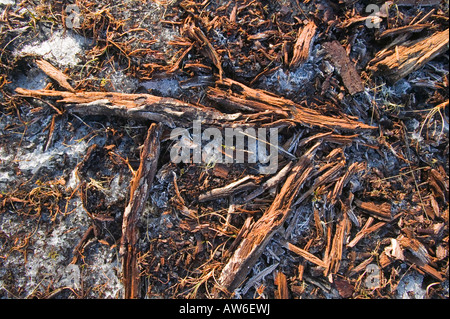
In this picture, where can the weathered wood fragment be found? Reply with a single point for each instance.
(380, 211)
(283, 290)
(345, 68)
(338, 187)
(169, 111)
(236, 187)
(405, 29)
(334, 258)
(270, 183)
(297, 113)
(197, 35)
(302, 46)
(254, 242)
(306, 255)
(397, 62)
(55, 74)
(139, 191)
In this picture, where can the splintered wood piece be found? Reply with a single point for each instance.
(303, 44)
(335, 255)
(253, 243)
(270, 183)
(281, 281)
(169, 111)
(306, 255)
(345, 68)
(353, 169)
(55, 74)
(380, 211)
(405, 29)
(398, 61)
(325, 176)
(197, 35)
(297, 113)
(230, 189)
(432, 272)
(139, 192)
(236, 103)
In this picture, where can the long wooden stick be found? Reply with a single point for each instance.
(140, 187)
(169, 111)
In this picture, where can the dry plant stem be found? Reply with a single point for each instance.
(260, 233)
(139, 191)
(397, 62)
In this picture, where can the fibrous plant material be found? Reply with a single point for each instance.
(302, 46)
(173, 112)
(139, 192)
(254, 98)
(381, 211)
(169, 111)
(259, 234)
(397, 62)
(55, 74)
(197, 35)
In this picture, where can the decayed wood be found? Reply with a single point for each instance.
(333, 260)
(326, 174)
(169, 111)
(139, 191)
(303, 44)
(381, 211)
(235, 103)
(397, 62)
(345, 68)
(197, 35)
(353, 169)
(297, 113)
(283, 290)
(259, 234)
(270, 183)
(306, 255)
(405, 29)
(236, 187)
(55, 74)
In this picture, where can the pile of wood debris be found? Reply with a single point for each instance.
(373, 196)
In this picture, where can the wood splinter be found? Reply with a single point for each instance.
(139, 192)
